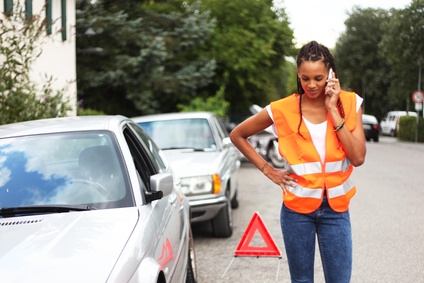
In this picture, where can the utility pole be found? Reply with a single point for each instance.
(418, 103)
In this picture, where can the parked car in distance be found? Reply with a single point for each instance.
(389, 125)
(90, 199)
(371, 127)
(203, 157)
(266, 142)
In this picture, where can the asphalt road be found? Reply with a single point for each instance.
(387, 217)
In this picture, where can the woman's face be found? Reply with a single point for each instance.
(313, 77)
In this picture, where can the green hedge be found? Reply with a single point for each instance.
(407, 127)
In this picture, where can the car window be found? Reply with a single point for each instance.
(221, 129)
(63, 169)
(192, 133)
(156, 155)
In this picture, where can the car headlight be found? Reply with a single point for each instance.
(210, 184)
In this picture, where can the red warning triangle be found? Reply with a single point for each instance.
(245, 248)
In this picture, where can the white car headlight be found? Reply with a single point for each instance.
(210, 184)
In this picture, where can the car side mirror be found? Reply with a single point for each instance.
(160, 185)
(227, 142)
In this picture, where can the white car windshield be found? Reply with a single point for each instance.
(62, 169)
(180, 134)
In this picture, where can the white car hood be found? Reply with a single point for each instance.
(65, 247)
(193, 163)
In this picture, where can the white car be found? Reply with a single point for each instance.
(204, 159)
(389, 125)
(90, 199)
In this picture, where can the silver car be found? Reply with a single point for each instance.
(90, 199)
(389, 125)
(204, 159)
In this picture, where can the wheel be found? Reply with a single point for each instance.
(222, 224)
(191, 261)
(274, 156)
(235, 201)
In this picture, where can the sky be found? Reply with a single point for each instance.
(323, 20)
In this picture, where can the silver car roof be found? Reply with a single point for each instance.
(65, 124)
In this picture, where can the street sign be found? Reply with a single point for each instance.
(418, 106)
(418, 96)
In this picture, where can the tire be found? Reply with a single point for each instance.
(191, 261)
(222, 224)
(235, 201)
(274, 156)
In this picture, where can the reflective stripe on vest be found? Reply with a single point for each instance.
(337, 166)
(315, 167)
(334, 192)
(340, 190)
(303, 192)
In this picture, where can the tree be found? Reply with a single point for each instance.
(132, 60)
(361, 62)
(21, 99)
(404, 44)
(249, 43)
(216, 104)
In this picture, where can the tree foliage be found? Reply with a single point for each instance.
(132, 60)
(216, 104)
(249, 43)
(404, 44)
(378, 54)
(140, 57)
(22, 99)
(361, 62)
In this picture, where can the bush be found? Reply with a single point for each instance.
(408, 126)
(215, 104)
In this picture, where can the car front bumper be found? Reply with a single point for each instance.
(206, 209)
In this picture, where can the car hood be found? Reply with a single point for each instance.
(65, 247)
(194, 163)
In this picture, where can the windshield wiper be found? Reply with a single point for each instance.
(42, 209)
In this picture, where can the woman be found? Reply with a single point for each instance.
(321, 137)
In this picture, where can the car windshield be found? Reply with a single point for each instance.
(181, 134)
(62, 169)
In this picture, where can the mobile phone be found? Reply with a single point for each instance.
(330, 76)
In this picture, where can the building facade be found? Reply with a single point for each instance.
(58, 50)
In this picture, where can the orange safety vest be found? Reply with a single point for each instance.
(304, 162)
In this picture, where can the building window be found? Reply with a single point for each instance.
(49, 20)
(63, 11)
(8, 6)
(28, 9)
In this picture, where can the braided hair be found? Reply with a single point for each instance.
(313, 51)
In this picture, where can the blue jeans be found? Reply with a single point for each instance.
(334, 236)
